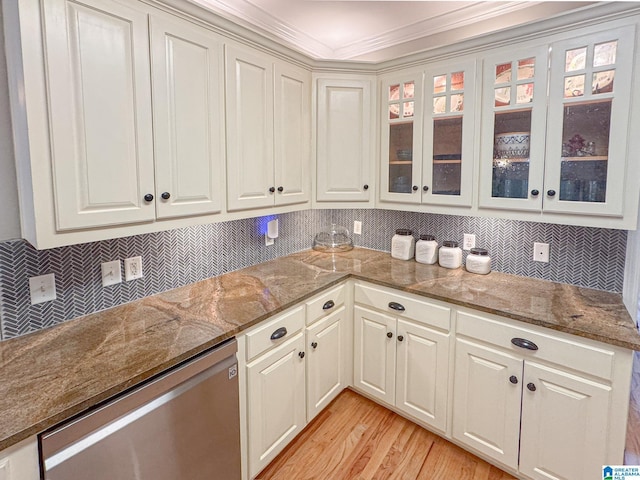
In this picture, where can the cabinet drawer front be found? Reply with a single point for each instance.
(551, 347)
(260, 340)
(325, 303)
(405, 306)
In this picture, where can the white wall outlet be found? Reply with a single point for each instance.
(357, 227)
(541, 252)
(132, 268)
(469, 241)
(268, 240)
(42, 288)
(111, 273)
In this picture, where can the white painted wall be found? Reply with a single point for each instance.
(9, 212)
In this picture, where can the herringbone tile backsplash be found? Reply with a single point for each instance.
(587, 257)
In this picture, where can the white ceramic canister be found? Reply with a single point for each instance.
(403, 244)
(478, 261)
(427, 250)
(450, 255)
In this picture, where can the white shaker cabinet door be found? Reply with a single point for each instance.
(97, 65)
(292, 127)
(374, 369)
(250, 166)
(564, 425)
(188, 89)
(486, 403)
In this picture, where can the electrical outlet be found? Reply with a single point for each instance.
(111, 273)
(469, 241)
(357, 227)
(42, 288)
(132, 268)
(268, 240)
(541, 252)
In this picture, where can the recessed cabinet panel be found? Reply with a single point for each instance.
(344, 133)
(250, 166)
(188, 88)
(589, 92)
(100, 108)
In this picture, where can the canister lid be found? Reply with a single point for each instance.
(449, 243)
(427, 237)
(404, 231)
(479, 251)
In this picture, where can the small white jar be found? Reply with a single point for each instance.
(427, 250)
(450, 255)
(478, 261)
(403, 244)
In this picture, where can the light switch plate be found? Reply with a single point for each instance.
(132, 268)
(469, 241)
(357, 227)
(111, 273)
(42, 288)
(541, 252)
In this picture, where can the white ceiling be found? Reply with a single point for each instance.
(378, 30)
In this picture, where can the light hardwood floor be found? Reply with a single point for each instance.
(356, 439)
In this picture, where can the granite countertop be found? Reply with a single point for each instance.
(51, 375)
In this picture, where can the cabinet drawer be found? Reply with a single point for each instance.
(409, 306)
(325, 303)
(260, 339)
(557, 347)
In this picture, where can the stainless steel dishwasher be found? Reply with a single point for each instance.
(183, 425)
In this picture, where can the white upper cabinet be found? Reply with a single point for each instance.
(188, 88)
(345, 131)
(97, 63)
(268, 131)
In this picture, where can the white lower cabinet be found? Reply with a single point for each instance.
(20, 462)
(546, 406)
(402, 361)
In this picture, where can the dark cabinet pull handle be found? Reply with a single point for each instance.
(531, 387)
(272, 189)
(535, 193)
(513, 379)
(524, 343)
(166, 195)
(389, 335)
(415, 188)
(425, 188)
(281, 189)
(301, 354)
(551, 193)
(148, 197)
(314, 345)
(396, 306)
(400, 338)
(279, 333)
(366, 187)
(328, 305)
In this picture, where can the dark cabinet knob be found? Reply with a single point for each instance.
(400, 338)
(165, 195)
(425, 188)
(279, 333)
(551, 193)
(272, 189)
(365, 186)
(281, 189)
(301, 354)
(513, 379)
(398, 307)
(148, 197)
(389, 335)
(531, 387)
(314, 345)
(329, 305)
(415, 188)
(535, 193)
(524, 343)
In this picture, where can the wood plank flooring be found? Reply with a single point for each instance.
(356, 439)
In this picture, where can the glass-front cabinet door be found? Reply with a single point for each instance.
(448, 140)
(589, 95)
(401, 139)
(513, 129)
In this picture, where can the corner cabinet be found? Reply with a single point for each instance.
(268, 131)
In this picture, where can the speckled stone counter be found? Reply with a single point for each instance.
(51, 375)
